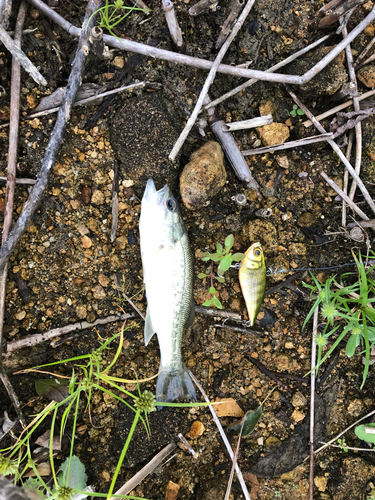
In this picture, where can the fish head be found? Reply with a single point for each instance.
(254, 256)
(161, 224)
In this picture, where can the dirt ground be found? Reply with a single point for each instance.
(68, 264)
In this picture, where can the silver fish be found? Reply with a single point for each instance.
(168, 276)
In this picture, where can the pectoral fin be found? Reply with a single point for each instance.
(191, 316)
(149, 328)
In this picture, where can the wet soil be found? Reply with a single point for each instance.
(68, 264)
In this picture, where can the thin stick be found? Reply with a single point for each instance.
(37, 338)
(312, 402)
(346, 177)
(344, 196)
(19, 181)
(348, 447)
(368, 61)
(20, 56)
(115, 190)
(10, 188)
(338, 108)
(230, 481)
(288, 145)
(358, 127)
(56, 139)
(335, 147)
(217, 312)
(274, 68)
(343, 432)
(146, 470)
(246, 124)
(139, 48)
(209, 80)
(362, 55)
(187, 445)
(81, 102)
(173, 26)
(272, 375)
(223, 436)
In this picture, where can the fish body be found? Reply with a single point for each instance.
(168, 276)
(252, 277)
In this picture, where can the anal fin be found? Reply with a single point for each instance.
(149, 328)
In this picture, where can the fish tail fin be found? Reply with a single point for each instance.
(175, 385)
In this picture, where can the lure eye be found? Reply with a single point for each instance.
(171, 204)
(257, 252)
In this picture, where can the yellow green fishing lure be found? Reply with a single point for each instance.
(252, 277)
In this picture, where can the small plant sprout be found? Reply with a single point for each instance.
(112, 14)
(343, 444)
(225, 258)
(296, 111)
(347, 313)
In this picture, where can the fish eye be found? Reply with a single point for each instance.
(171, 204)
(257, 252)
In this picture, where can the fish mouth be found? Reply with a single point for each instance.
(152, 195)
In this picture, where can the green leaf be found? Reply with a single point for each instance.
(215, 257)
(77, 478)
(212, 289)
(202, 275)
(220, 279)
(249, 421)
(219, 248)
(217, 302)
(226, 262)
(229, 240)
(293, 112)
(361, 433)
(351, 345)
(370, 313)
(205, 258)
(237, 257)
(207, 303)
(52, 388)
(300, 112)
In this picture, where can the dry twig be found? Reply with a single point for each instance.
(20, 56)
(274, 68)
(115, 189)
(173, 26)
(210, 78)
(146, 470)
(358, 127)
(223, 436)
(343, 432)
(82, 102)
(55, 141)
(11, 180)
(312, 402)
(338, 108)
(288, 145)
(37, 338)
(139, 48)
(335, 147)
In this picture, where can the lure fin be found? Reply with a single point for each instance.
(175, 385)
(149, 328)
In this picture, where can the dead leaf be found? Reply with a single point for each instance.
(44, 469)
(52, 388)
(44, 441)
(227, 408)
